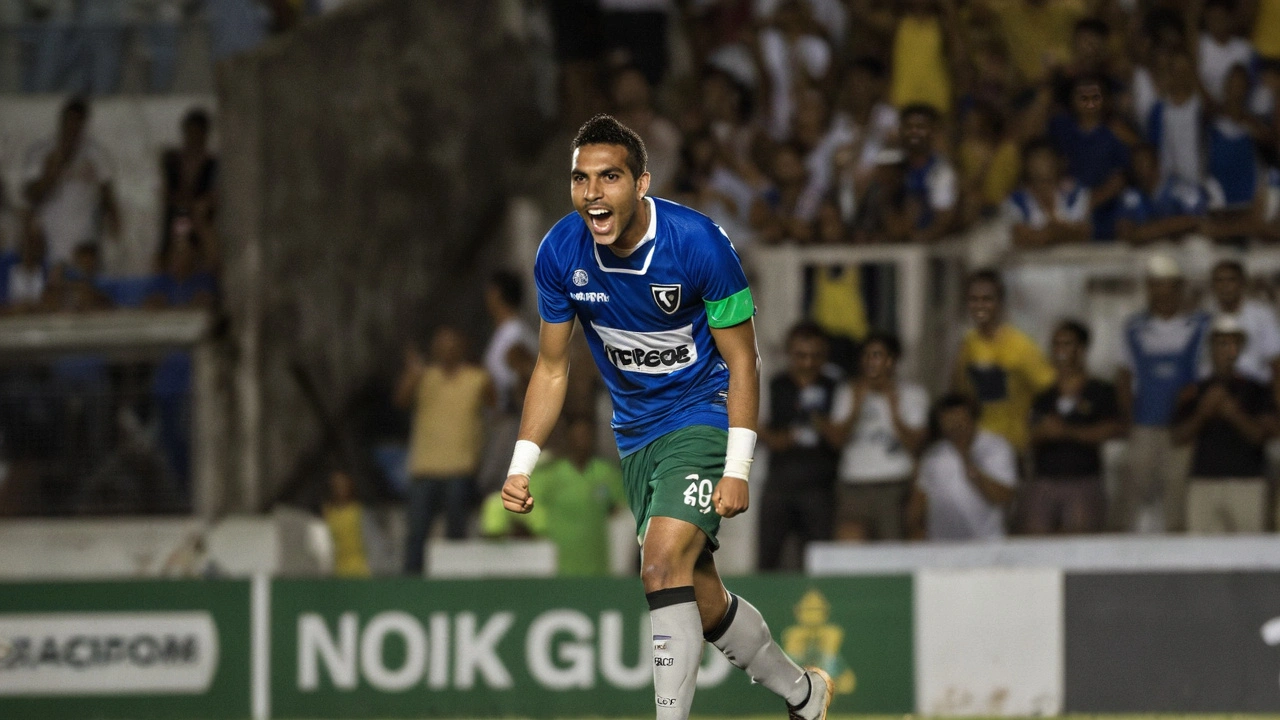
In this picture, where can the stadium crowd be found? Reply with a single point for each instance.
(802, 122)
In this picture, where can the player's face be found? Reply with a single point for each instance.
(606, 194)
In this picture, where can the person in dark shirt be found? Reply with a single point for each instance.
(1069, 422)
(799, 497)
(1096, 157)
(1227, 418)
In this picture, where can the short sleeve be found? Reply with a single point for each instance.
(718, 279)
(553, 301)
(998, 461)
(842, 404)
(914, 406)
(942, 188)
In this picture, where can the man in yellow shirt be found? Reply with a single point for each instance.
(447, 397)
(1038, 33)
(998, 364)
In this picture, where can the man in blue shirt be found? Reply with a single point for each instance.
(1154, 209)
(665, 307)
(1162, 350)
(1096, 158)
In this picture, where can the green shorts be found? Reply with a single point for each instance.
(674, 476)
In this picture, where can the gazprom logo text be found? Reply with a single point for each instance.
(652, 353)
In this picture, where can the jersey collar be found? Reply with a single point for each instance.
(651, 234)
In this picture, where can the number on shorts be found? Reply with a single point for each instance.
(698, 494)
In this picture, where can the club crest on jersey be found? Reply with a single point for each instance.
(667, 297)
(579, 277)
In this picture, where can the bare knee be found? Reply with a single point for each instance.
(661, 571)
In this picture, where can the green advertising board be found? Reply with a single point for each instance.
(562, 648)
(134, 649)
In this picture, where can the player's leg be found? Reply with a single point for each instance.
(739, 631)
(670, 549)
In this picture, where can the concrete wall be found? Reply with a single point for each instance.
(368, 162)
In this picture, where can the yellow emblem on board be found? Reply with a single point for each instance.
(814, 641)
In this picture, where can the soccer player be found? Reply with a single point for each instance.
(662, 299)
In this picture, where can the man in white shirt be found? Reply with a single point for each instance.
(1260, 358)
(965, 480)
(882, 422)
(1220, 49)
(67, 181)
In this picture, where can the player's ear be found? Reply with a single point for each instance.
(642, 184)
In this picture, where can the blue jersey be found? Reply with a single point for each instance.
(648, 317)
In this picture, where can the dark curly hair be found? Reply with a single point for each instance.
(606, 130)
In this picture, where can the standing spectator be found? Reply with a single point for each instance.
(576, 496)
(965, 480)
(1233, 177)
(882, 423)
(509, 360)
(1220, 48)
(347, 522)
(867, 124)
(1227, 419)
(190, 176)
(1156, 207)
(1069, 423)
(68, 185)
(1176, 122)
(1096, 157)
(931, 184)
(920, 54)
(633, 106)
(1162, 347)
(794, 52)
(998, 365)
(798, 498)
(448, 397)
(1049, 209)
(1038, 34)
(1259, 359)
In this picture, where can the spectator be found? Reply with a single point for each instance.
(965, 480)
(79, 286)
(1050, 208)
(1259, 359)
(68, 185)
(1069, 423)
(882, 423)
(1162, 348)
(985, 153)
(1266, 29)
(1090, 57)
(798, 500)
(1096, 157)
(1155, 207)
(190, 175)
(1227, 419)
(576, 496)
(633, 106)
(866, 124)
(27, 278)
(509, 360)
(920, 54)
(998, 365)
(776, 216)
(348, 524)
(184, 282)
(930, 180)
(1233, 167)
(793, 52)
(1038, 34)
(708, 184)
(1176, 122)
(1220, 48)
(447, 397)
(882, 213)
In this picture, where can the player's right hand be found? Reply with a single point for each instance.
(515, 494)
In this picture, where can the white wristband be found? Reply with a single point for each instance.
(739, 453)
(524, 458)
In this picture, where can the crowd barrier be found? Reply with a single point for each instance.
(1003, 641)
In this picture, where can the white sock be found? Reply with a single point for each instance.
(677, 649)
(743, 636)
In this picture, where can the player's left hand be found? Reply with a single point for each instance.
(732, 496)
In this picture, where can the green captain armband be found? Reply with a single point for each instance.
(737, 308)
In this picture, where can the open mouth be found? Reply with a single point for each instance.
(600, 220)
